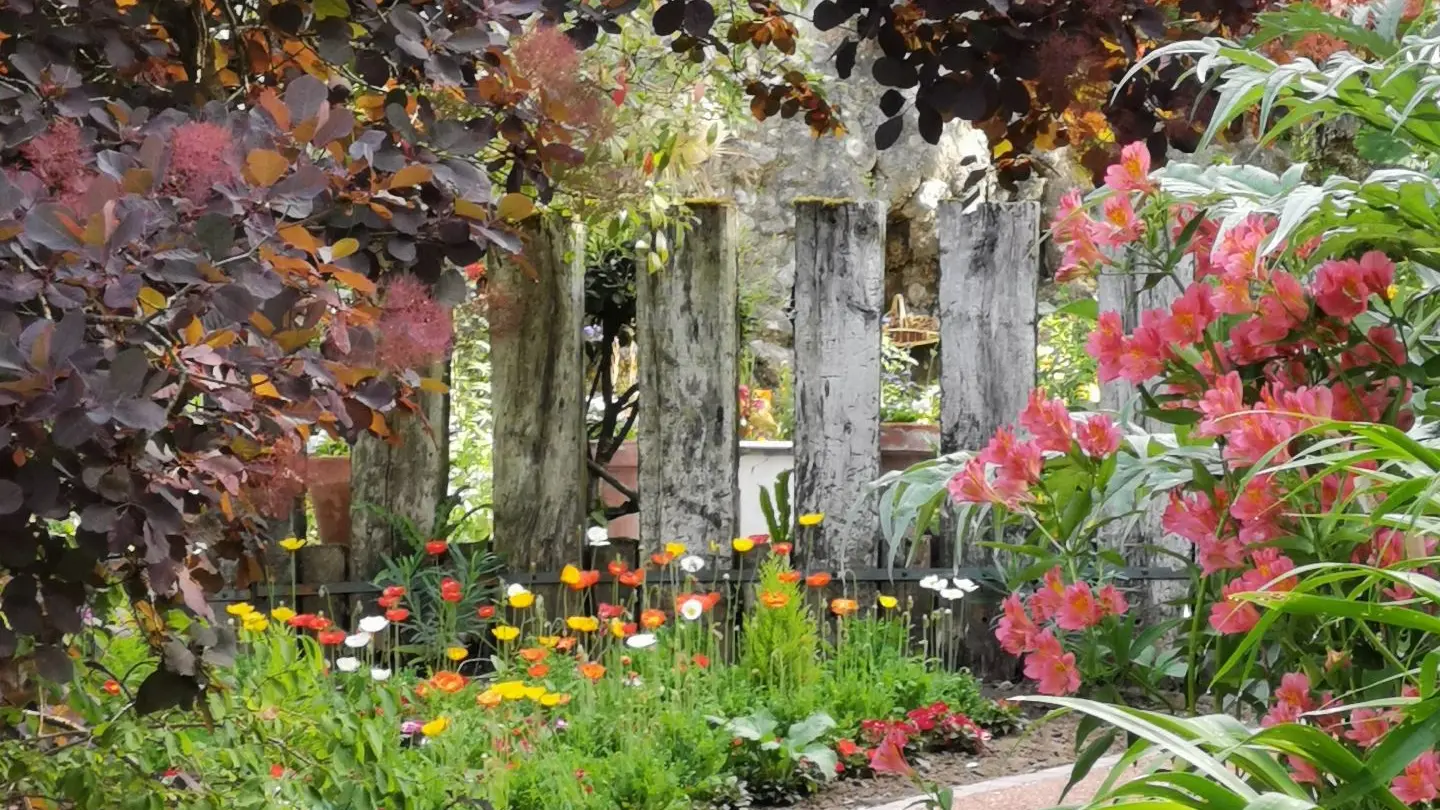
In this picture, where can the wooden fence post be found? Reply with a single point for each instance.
(839, 296)
(1143, 542)
(989, 275)
(537, 379)
(686, 337)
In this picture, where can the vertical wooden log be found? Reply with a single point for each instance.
(989, 276)
(537, 377)
(1141, 540)
(839, 296)
(404, 474)
(686, 338)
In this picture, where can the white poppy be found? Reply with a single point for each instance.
(951, 594)
(691, 609)
(634, 680)
(358, 640)
(966, 585)
(932, 583)
(374, 624)
(598, 536)
(692, 563)
(515, 589)
(347, 664)
(379, 674)
(640, 641)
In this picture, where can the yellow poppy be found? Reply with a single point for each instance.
(553, 698)
(570, 575)
(282, 614)
(674, 549)
(510, 690)
(534, 693)
(887, 602)
(812, 519)
(435, 727)
(456, 653)
(255, 622)
(583, 624)
(522, 600)
(241, 609)
(742, 544)
(489, 698)
(617, 628)
(505, 632)
(547, 641)
(292, 544)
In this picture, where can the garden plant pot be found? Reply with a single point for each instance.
(327, 479)
(903, 444)
(625, 466)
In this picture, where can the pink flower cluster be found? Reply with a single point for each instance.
(1085, 240)
(1005, 470)
(59, 158)
(1073, 607)
(414, 329)
(928, 726)
(202, 156)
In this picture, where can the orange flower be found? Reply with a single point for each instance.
(632, 579)
(662, 558)
(585, 580)
(774, 599)
(789, 577)
(565, 644)
(701, 660)
(818, 580)
(489, 699)
(592, 670)
(617, 567)
(652, 618)
(782, 549)
(710, 599)
(538, 670)
(843, 607)
(534, 655)
(447, 682)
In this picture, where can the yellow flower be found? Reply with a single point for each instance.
(675, 549)
(552, 699)
(510, 690)
(547, 642)
(240, 609)
(887, 602)
(505, 632)
(282, 614)
(570, 575)
(583, 624)
(292, 544)
(522, 600)
(255, 622)
(812, 519)
(1391, 292)
(435, 727)
(742, 544)
(456, 653)
(489, 698)
(534, 693)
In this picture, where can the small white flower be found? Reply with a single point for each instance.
(966, 585)
(374, 624)
(358, 640)
(515, 589)
(634, 680)
(347, 664)
(692, 563)
(951, 594)
(598, 536)
(640, 641)
(932, 583)
(691, 609)
(379, 674)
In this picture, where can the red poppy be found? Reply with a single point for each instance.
(587, 579)
(616, 568)
(710, 600)
(450, 590)
(818, 580)
(112, 687)
(277, 771)
(847, 748)
(607, 611)
(388, 602)
(393, 591)
(662, 558)
(301, 621)
(485, 611)
(789, 577)
(783, 549)
(629, 629)
(436, 547)
(330, 638)
(701, 660)
(759, 539)
(397, 615)
(632, 579)
(652, 618)
(318, 623)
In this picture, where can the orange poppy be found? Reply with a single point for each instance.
(774, 599)
(592, 670)
(585, 580)
(701, 660)
(818, 580)
(710, 600)
(662, 558)
(617, 567)
(538, 670)
(534, 654)
(789, 577)
(843, 607)
(565, 644)
(783, 549)
(447, 681)
(652, 618)
(632, 579)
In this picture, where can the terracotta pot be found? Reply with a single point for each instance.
(625, 466)
(905, 443)
(328, 481)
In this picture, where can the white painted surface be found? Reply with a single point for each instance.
(760, 463)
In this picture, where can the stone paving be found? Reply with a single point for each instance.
(1033, 791)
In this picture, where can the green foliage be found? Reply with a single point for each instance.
(780, 645)
(775, 505)
(1062, 366)
(787, 761)
(903, 398)
(471, 428)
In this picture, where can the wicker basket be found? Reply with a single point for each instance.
(908, 331)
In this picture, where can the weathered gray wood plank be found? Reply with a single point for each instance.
(537, 386)
(989, 276)
(688, 434)
(839, 297)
